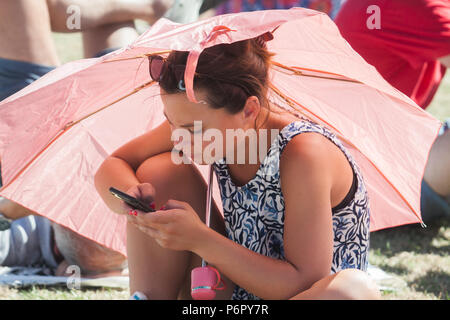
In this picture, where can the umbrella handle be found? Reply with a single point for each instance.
(209, 196)
(208, 202)
(203, 278)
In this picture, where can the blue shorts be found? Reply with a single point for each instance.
(433, 205)
(16, 75)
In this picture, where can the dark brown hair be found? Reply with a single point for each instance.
(230, 73)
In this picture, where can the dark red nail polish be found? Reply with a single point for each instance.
(152, 205)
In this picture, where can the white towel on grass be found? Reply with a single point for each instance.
(20, 277)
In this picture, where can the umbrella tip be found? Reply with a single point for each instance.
(422, 224)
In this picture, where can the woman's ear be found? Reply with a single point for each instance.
(251, 110)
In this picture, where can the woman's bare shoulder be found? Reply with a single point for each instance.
(313, 150)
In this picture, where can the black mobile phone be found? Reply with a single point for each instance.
(131, 201)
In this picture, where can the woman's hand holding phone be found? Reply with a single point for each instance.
(145, 193)
(179, 227)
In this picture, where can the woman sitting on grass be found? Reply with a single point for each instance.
(296, 222)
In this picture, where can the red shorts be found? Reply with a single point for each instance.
(413, 35)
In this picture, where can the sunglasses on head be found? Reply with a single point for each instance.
(158, 66)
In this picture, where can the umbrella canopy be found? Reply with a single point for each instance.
(55, 133)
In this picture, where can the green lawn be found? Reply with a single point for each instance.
(440, 106)
(419, 256)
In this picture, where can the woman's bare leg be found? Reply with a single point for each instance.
(348, 284)
(158, 272)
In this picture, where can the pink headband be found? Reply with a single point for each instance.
(192, 60)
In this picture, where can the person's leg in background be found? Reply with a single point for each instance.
(106, 25)
(93, 259)
(27, 53)
(105, 12)
(435, 195)
(25, 237)
(34, 240)
(106, 38)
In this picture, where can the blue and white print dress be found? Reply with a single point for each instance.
(254, 212)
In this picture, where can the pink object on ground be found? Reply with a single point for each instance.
(55, 133)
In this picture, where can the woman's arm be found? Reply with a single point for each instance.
(306, 169)
(306, 172)
(119, 169)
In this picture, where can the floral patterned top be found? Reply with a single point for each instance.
(254, 212)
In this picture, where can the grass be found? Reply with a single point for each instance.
(418, 256)
(62, 293)
(440, 106)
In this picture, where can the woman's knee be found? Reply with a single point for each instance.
(160, 168)
(168, 178)
(354, 284)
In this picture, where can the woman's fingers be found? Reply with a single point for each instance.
(155, 220)
(147, 192)
(175, 204)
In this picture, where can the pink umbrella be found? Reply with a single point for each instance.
(55, 133)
